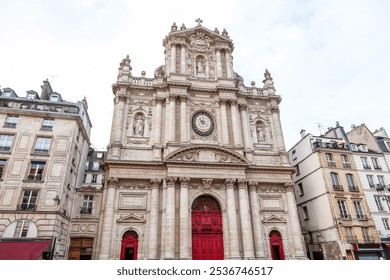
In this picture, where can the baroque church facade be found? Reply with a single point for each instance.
(196, 165)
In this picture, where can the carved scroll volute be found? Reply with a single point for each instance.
(184, 182)
(113, 182)
(155, 183)
(171, 181)
(229, 183)
(288, 187)
(242, 184)
(252, 185)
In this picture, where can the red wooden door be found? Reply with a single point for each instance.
(276, 244)
(129, 248)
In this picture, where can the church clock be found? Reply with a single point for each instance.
(202, 123)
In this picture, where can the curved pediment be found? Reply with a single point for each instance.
(206, 155)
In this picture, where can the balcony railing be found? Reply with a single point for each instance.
(361, 217)
(352, 239)
(27, 207)
(338, 187)
(377, 167)
(47, 127)
(329, 145)
(353, 188)
(346, 165)
(37, 177)
(5, 148)
(331, 164)
(345, 216)
(10, 124)
(366, 166)
(85, 210)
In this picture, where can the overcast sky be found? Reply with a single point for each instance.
(330, 60)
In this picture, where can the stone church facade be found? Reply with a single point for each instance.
(196, 165)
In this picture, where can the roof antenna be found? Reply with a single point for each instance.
(52, 78)
(319, 125)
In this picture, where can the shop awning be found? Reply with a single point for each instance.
(28, 250)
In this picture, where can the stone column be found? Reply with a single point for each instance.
(183, 119)
(246, 226)
(278, 133)
(225, 129)
(185, 220)
(245, 126)
(173, 58)
(235, 125)
(117, 120)
(146, 126)
(183, 60)
(157, 121)
(154, 212)
(232, 220)
(256, 221)
(229, 70)
(172, 119)
(219, 64)
(169, 230)
(296, 234)
(108, 219)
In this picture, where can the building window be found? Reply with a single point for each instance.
(305, 213)
(359, 211)
(47, 124)
(294, 155)
(42, 145)
(386, 223)
(21, 228)
(2, 166)
(351, 184)
(381, 180)
(343, 209)
(87, 204)
(298, 171)
(375, 163)
(11, 121)
(95, 165)
(301, 191)
(329, 158)
(29, 200)
(6, 142)
(365, 163)
(349, 233)
(94, 178)
(345, 160)
(366, 234)
(335, 181)
(84, 178)
(370, 180)
(36, 170)
(378, 203)
(53, 97)
(99, 155)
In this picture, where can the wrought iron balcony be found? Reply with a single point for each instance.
(27, 207)
(37, 177)
(338, 187)
(361, 217)
(345, 216)
(331, 164)
(85, 210)
(346, 165)
(352, 239)
(353, 188)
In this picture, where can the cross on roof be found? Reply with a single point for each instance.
(199, 21)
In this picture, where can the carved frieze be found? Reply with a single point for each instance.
(189, 156)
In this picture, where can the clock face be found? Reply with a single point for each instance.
(202, 123)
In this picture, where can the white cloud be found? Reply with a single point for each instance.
(329, 59)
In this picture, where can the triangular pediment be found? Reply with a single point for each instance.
(88, 188)
(274, 219)
(131, 218)
(206, 155)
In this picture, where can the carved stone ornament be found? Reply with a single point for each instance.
(155, 183)
(184, 181)
(242, 184)
(190, 156)
(160, 72)
(220, 157)
(207, 183)
(113, 181)
(229, 183)
(171, 181)
(200, 42)
(271, 188)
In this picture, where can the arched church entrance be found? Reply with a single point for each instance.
(207, 236)
(276, 244)
(129, 248)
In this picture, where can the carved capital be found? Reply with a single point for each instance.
(229, 183)
(113, 182)
(160, 100)
(207, 183)
(242, 184)
(120, 97)
(233, 102)
(223, 101)
(183, 98)
(184, 182)
(252, 185)
(155, 183)
(171, 181)
(288, 187)
(173, 97)
(242, 106)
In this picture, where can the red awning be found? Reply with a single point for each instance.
(28, 250)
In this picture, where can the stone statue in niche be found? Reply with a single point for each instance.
(260, 133)
(139, 126)
(200, 66)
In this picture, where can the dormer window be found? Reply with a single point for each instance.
(363, 148)
(53, 97)
(354, 147)
(31, 96)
